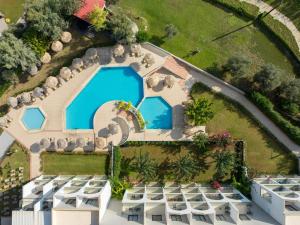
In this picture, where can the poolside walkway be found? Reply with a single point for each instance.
(264, 7)
(6, 141)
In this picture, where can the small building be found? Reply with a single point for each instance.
(68, 200)
(279, 197)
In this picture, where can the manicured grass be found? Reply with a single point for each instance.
(12, 9)
(168, 153)
(75, 164)
(199, 23)
(264, 154)
(18, 158)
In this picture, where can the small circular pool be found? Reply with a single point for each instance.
(33, 119)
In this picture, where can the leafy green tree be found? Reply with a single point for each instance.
(291, 91)
(184, 168)
(121, 27)
(237, 65)
(36, 42)
(145, 167)
(142, 36)
(171, 30)
(10, 76)
(42, 18)
(224, 163)
(65, 8)
(14, 54)
(199, 112)
(97, 18)
(201, 141)
(269, 78)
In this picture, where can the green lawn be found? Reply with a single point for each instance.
(12, 9)
(18, 158)
(74, 164)
(199, 23)
(264, 154)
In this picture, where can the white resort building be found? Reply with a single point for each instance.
(279, 197)
(67, 200)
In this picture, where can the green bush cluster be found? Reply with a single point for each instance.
(117, 157)
(268, 108)
(36, 42)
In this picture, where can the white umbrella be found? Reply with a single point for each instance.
(100, 142)
(149, 59)
(38, 92)
(136, 49)
(86, 61)
(113, 128)
(45, 143)
(80, 142)
(3, 122)
(62, 143)
(26, 97)
(77, 63)
(12, 102)
(169, 81)
(46, 58)
(118, 50)
(66, 37)
(152, 81)
(33, 70)
(51, 82)
(57, 46)
(65, 73)
(91, 53)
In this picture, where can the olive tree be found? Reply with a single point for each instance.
(291, 91)
(14, 54)
(237, 65)
(269, 78)
(171, 30)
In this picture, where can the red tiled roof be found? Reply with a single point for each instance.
(174, 66)
(88, 7)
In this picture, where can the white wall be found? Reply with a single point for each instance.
(234, 213)
(75, 217)
(27, 188)
(292, 220)
(104, 200)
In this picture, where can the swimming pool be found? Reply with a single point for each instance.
(33, 119)
(108, 84)
(157, 113)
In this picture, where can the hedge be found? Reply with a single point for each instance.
(117, 162)
(274, 27)
(268, 108)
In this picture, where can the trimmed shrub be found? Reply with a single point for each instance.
(117, 162)
(268, 108)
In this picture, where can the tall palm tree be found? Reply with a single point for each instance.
(145, 167)
(184, 168)
(224, 163)
(201, 142)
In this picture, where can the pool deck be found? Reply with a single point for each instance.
(55, 104)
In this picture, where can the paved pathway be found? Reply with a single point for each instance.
(237, 95)
(264, 7)
(35, 165)
(6, 141)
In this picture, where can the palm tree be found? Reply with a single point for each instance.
(184, 168)
(201, 141)
(224, 163)
(145, 167)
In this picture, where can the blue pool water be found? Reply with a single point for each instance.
(110, 83)
(157, 113)
(33, 119)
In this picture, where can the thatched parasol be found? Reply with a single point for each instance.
(91, 53)
(152, 81)
(136, 50)
(148, 59)
(26, 97)
(113, 128)
(3, 122)
(100, 142)
(65, 73)
(46, 58)
(38, 92)
(80, 142)
(118, 50)
(45, 143)
(62, 143)
(12, 102)
(66, 37)
(33, 70)
(77, 64)
(169, 81)
(72, 144)
(57, 46)
(51, 82)
(86, 61)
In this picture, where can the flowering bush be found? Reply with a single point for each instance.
(216, 185)
(222, 140)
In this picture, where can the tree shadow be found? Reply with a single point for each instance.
(157, 40)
